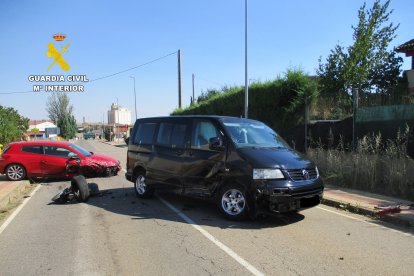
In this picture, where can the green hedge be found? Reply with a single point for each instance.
(278, 103)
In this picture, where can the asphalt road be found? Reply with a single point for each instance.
(119, 234)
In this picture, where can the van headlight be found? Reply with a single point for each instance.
(267, 174)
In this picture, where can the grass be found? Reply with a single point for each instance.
(15, 202)
(6, 211)
(376, 166)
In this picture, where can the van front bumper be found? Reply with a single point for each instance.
(287, 196)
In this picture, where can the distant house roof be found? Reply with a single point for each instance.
(37, 122)
(407, 48)
(41, 125)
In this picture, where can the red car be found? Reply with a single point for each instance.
(50, 159)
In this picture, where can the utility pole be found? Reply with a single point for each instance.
(192, 102)
(354, 111)
(306, 120)
(135, 99)
(116, 121)
(103, 126)
(179, 78)
(246, 85)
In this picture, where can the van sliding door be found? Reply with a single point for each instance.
(171, 147)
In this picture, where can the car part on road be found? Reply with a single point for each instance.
(93, 189)
(80, 188)
(68, 194)
(383, 210)
(15, 172)
(63, 196)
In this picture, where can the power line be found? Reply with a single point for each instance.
(132, 68)
(22, 92)
(108, 76)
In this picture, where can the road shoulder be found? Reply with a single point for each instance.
(11, 195)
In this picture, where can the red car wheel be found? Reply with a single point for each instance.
(15, 172)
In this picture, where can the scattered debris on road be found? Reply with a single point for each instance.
(79, 190)
(383, 210)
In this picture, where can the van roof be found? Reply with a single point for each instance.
(194, 117)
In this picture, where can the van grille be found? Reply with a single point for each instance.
(306, 192)
(298, 192)
(302, 174)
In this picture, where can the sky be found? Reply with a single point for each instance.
(109, 37)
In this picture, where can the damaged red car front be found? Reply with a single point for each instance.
(99, 165)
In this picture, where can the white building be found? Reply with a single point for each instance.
(42, 129)
(119, 115)
(41, 125)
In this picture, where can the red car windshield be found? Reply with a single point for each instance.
(81, 150)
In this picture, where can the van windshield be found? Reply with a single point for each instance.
(249, 133)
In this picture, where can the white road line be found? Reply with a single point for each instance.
(223, 247)
(17, 211)
(361, 220)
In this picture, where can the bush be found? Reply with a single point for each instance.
(278, 103)
(377, 166)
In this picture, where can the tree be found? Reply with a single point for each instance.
(12, 125)
(67, 125)
(207, 95)
(368, 64)
(60, 112)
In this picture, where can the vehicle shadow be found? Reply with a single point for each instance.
(121, 146)
(123, 201)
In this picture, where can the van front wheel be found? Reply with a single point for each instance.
(232, 202)
(141, 188)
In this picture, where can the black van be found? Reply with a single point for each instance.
(241, 163)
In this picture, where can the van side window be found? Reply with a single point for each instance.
(145, 134)
(178, 136)
(203, 131)
(164, 134)
(172, 135)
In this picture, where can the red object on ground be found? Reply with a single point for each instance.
(388, 210)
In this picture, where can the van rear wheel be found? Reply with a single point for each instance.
(141, 188)
(232, 202)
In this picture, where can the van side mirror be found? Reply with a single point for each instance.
(215, 143)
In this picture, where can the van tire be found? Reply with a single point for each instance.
(232, 201)
(80, 188)
(140, 187)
